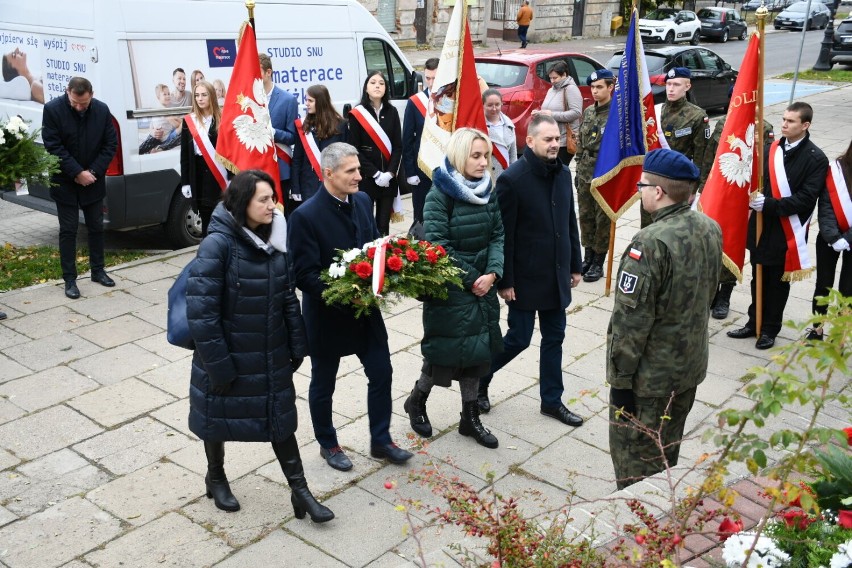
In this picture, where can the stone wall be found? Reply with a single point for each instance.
(437, 18)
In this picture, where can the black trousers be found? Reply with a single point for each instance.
(68, 221)
(383, 209)
(826, 267)
(775, 294)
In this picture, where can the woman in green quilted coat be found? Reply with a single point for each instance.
(462, 333)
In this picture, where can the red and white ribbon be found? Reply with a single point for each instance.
(797, 247)
(501, 154)
(208, 152)
(312, 151)
(841, 202)
(379, 268)
(374, 130)
(284, 152)
(420, 101)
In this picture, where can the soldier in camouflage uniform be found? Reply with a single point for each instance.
(657, 340)
(594, 223)
(685, 125)
(722, 301)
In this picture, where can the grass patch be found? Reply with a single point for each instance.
(25, 266)
(835, 75)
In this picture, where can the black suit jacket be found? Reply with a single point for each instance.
(371, 158)
(81, 143)
(316, 229)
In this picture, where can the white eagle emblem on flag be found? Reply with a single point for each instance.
(736, 168)
(255, 133)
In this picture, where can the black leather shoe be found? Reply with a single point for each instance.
(103, 279)
(391, 452)
(336, 458)
(563, 415)
(71, 290)
(765, 342)
(742, 333)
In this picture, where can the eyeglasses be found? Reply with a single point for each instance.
(640, 185)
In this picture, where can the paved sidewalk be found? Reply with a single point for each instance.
(98, 468)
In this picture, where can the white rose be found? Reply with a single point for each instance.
(350, 255)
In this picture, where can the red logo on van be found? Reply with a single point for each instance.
(221, 52)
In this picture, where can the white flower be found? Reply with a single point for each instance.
(2, 136)
(16, 127)
(843, 557)
(350, 255)
(765, 555)
(336, 270)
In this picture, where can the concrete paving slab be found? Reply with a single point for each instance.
(37, 298)
(113, 332)
(6, 516)
(269, 552)
(9, 337)
(176, 415)
(147, 493)
(149, 272)
(7, 460)
(241, 458)
(9, 411)
(109, 305)
(47, 352)
(155, 292)
(46, 388)
(117, 403)
(46, 431)
(57, 535)
(590, 472)
(172, 540)
(172, 378)
(156, 314)
(467, 455)
(114, 365)
(132, 446)
(159, 345)
(48, 322)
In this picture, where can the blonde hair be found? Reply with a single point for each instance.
(214, 103)
(460, 144)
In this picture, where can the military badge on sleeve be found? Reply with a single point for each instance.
(627, 282)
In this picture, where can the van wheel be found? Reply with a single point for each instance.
(183, 225)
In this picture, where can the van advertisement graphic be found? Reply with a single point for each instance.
(164, 71)
(36, 68)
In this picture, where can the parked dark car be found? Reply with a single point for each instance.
(779, 5)
(712, 77)
(751, 5)
(795, 16)
(722, 23)
(521, 77)
(841, 49)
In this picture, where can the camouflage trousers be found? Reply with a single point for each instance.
(726, 276)
(636, 455)
(594, 223)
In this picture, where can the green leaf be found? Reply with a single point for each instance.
(760, 458)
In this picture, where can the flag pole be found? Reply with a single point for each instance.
(761, 14)
(609, 258)
(250, 8)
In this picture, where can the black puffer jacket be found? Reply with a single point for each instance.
(245, 320)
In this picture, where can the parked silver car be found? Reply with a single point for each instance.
(796, 15)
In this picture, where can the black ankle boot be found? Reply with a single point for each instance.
(482, 399)
(596, 270)
(588, 257)
(216, 481)
(301, 498)
(415, 407)
(471, 426)
(722, 302)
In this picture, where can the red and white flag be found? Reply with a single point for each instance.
(246, 137)
(454, 100)
(733, 176)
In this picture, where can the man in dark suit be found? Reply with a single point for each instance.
(340, 217)
(411, 132)
(283, 112)
(542, 261)
(78, 130)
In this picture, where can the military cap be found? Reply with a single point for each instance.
(670, 164)
(598, 75)
(676, 72)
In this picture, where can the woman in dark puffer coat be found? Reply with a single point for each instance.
(462, 333)
(249, 338)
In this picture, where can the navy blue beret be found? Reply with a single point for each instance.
(676, 72)
(670, 164)
(599, 74)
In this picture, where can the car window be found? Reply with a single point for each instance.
(584, 68)
(711, 15)
(660, 15)
(844, 28)
(689, 59)
(687, 16)
(798, 7)
(656, 63)
(501, 74)
(710, 60)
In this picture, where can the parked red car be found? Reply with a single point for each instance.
(521, 77)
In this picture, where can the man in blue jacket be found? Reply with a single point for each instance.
(340, 217)
(78, 129)
(283, 112)
(412, 129)
(542, 261)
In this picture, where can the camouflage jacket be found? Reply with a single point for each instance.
(687, 130)
(657, 340)
(591, 134)
(713, 145)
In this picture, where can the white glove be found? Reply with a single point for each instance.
(840, 245)
(296, 196)
(413, 180)
(757, 202)
(383, 179)
(186, 191)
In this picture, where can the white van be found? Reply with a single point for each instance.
(130, 48)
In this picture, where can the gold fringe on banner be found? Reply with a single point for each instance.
(397, 217)
(797, 275)
(615, 215)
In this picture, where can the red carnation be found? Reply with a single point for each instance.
(397, 250)
(364, 270)
(371, 253)
(412, 255)
(395, 263)
(402, 242)
(431, 256)
(796, 519)
(848, 431)
(353, 266)
(441, 250)
(728, 527)
(844, 519)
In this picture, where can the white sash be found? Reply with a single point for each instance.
(838, 192)
(208, 152)
(798, 260)
(374, 130)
